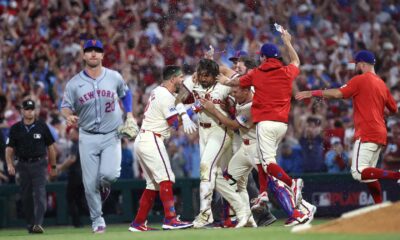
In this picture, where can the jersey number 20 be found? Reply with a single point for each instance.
(110, 106)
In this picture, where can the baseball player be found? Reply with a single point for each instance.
(370, 98)
(93, 95)
(215, 143)
(247, 156)
(159, 117)
(271, 105)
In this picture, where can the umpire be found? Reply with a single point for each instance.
(27, 143)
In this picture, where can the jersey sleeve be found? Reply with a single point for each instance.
(68, 100)
(247, 80)
(243, 121)
(122, 86)
(11, 139)
(167, 105)
(391, 103)
(351, 88)
(291, 71)
(48, 137)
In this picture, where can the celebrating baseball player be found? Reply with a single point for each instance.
(93, 96)
(370, 98)
(271, 105)
(247, 157)
(159, 117)
(215, 146)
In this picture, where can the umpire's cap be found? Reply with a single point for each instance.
(270, 50)
(365, 56)
(93, 43)
(28, 104)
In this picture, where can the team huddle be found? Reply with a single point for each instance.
(242, 116)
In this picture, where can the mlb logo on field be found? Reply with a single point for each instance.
(322, 199)
(37, 136)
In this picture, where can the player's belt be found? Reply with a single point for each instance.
(205, 125)
(155, 134)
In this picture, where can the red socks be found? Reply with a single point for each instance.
(376, 173)
(276, 171)
(167, 199)
(376, 191)
(145, 205)
(262, 179)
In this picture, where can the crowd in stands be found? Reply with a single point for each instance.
(40, 50)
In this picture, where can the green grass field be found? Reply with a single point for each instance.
(120, 232)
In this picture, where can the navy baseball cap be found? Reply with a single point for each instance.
(365, 56)
(93, 43)
(270, 50)
(238, 54)
(28, 104)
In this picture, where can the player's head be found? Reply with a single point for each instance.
(364, 60)
(244, 64)
(269, 50)
(28, 109)
(174, 75)
(207, 72)
(241, 94)
(238, 54)
(93, 53)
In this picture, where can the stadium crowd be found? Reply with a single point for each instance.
(40, 48)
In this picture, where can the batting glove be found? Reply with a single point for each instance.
(188, 125)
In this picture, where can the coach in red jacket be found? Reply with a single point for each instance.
(272, 81)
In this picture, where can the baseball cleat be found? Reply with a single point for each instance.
(99, 230)
(202, 220)
(311, 213)
(175, 223)
(243, 220)
(297, 218)
(134, 227)
(297, 187)
(260, 202)
(230, 223)
(104, 193)
(37, 229)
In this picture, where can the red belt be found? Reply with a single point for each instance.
(205, 125)
(246, 141)
(155, 134)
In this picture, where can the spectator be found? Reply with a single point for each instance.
(127, 161)
(312, 147)
(336, 159)
(291, 158)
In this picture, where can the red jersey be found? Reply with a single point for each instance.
(370, 96)
(273, 90)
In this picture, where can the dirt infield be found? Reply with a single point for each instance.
(383, 220)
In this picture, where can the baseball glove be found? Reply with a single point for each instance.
(130, 128)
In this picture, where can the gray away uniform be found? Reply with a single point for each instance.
(95, 101)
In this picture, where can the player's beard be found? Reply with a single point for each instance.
(93, 64)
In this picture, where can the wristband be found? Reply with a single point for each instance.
(317, 93)
(180, 108)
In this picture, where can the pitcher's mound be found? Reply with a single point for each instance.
(381, 218)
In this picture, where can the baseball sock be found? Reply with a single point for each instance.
(167, 199)
(376, 173)
(262, 179)
(145, 205)
(275, 170)
(376, 191)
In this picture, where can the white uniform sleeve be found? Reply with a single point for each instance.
(122, 86)
(68, 100)
(244, 121)
(167, 105)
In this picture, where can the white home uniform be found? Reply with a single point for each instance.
(149, 145)
(215, 152)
